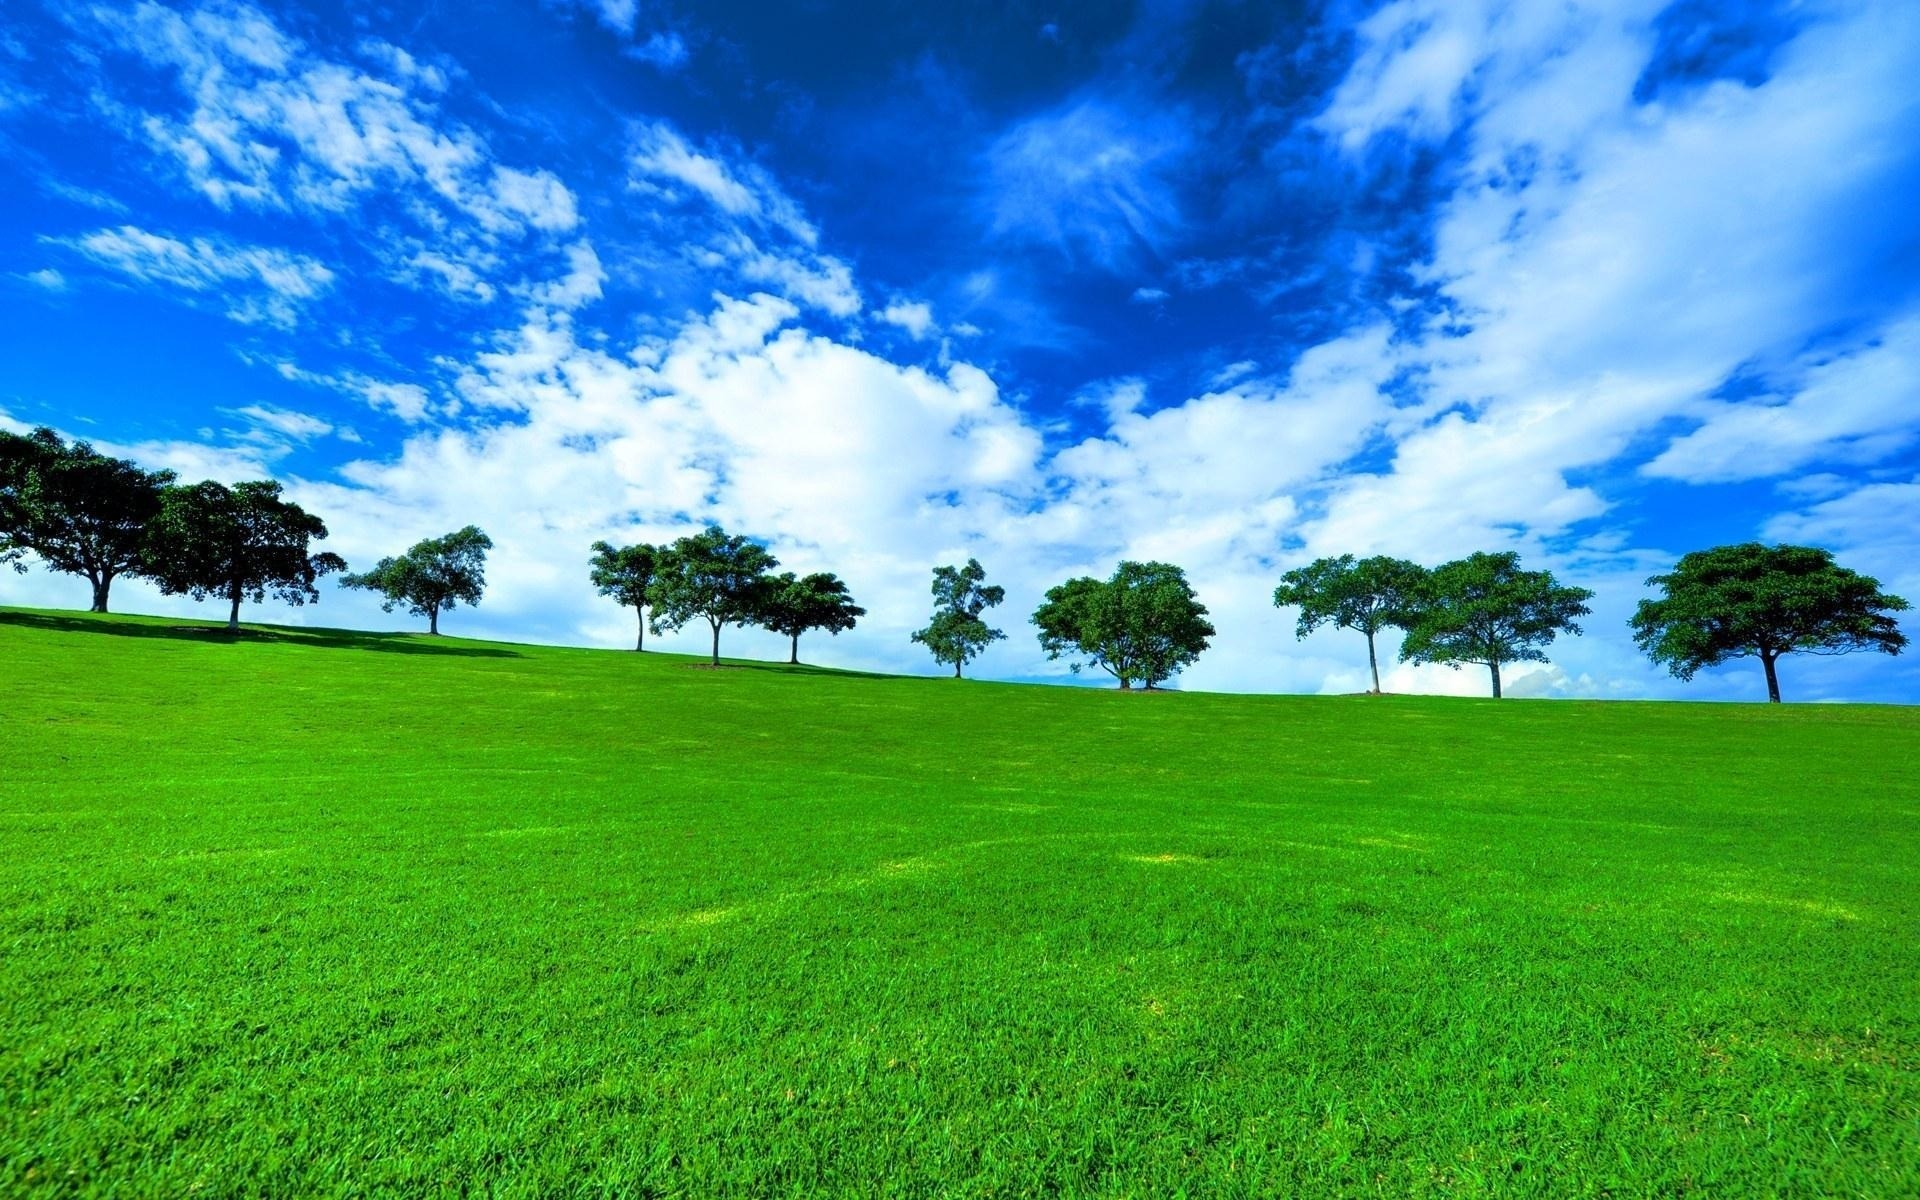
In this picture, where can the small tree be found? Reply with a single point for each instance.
(79, 511)
(238, 543)
(957, 634)
(1485, 609)
(1143, 624)
(626, 574)
(1759, 601)
(1365, 596)
(718, 577)
(817, 601)
(432, 577)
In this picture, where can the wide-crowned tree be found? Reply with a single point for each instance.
(626, 575)
(957, 634)
(79, 511)
(1143, 625)
(238, 543)
(796, 605)
(432, 577)
(1484, 609)
(1366, 596)
(714, 576)
(1759, 601)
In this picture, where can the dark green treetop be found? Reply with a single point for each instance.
(79, 511)
(432, 577)
(1485, 609)
(238, 543)
(1142, 625)
(714, 576)
(1365, 596)
(626, 575)
(957, 634)
(1759, 601)
(817, 601)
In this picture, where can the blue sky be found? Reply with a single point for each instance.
(1227, 284)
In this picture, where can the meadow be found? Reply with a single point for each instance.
(326, 913)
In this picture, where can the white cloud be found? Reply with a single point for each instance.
(916, 317)
(299, 426)
(738, 188)
(48, 278)
(258, 283)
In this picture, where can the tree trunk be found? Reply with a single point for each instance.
(1495, 668)
(1126, 685)
(793, 656)
(1373, 664)
(433, 621)
(101, 586)
(956, 668)
(640, 643)
(716, 642)
(233, 617)
(1773, 679)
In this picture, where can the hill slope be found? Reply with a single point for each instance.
(313, 913)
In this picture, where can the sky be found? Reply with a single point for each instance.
(1228, 285)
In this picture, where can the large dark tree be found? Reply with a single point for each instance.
(238, 543)
(626, 574)
(1143, 625)
(1484, 609)
(1759, 601)
(714, 576)
(796, 605)
(957, 634)
(1365, 596)
(432, 577)
(79, 511)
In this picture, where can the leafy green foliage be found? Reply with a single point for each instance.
(796, 605)
(569, 923)
(77, 510)
(1366, 596)
(1484, 609)
(238, 543)
(957, 634)
(714, 576)
(1754, 600)
(433, 576)
(625, 574)
(1141, 626)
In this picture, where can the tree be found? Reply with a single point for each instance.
(627, 574)
(1485, 609)
(238, 543)
(1365, 596)
(1759, 601)
(79, 511)
(432, 577)
(1143, 624)
(715, 576)
(816, 601)
(956, 634)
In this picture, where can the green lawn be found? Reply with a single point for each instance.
(315, 913)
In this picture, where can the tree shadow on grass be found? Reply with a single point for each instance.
(285, 635)
(808, 669)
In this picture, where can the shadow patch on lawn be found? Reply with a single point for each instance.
(333, 639)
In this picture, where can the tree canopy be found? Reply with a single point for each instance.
(433, 576)
(1484, 609)
(1757, 601)
(957, 634)
(1365, 596)
(796, 605)
(1142, 625)
(238, 543)
(77, 510)
(626, 575)
(714, 576)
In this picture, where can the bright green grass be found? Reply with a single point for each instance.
(314, 914)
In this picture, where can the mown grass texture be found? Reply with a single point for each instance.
(323, 913)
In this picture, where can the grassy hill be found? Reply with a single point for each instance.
(314, 912)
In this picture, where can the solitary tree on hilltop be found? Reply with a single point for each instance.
(816, 601)
(1365, 596)
(238, 543)
(1759, 601)
(626, 574)
(1144, 624)
(715, 576)
(79, 511)
(957, 634)
(1485, 609)
(433, 576)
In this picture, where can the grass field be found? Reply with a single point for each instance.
(315, 913)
